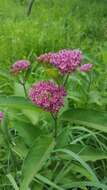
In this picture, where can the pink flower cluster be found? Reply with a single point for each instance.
(45, 58)
(47, 95)
(20, 66)
(1, 115)
(65, 60)
(86, 67)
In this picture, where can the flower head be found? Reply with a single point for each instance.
(47, 95)
(1, 115)
(86, 67)
(44, 58)
(20, 65)
(66, 60)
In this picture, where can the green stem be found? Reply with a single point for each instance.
(22, 82)
(55, 135)
(89, 87)
(90, 81)
(31, 2)
(7, 138)
(66, 79)
(25, 91)
(55, 125)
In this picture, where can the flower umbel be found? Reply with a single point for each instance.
(66, 60)
(86, 67)
(47, 95)
(45, 58)
(20, 65)
(1, 115)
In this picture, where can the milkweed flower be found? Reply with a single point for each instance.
(66, 60)
(44, 58)
(19, 66)
(86, 67)
(1, 115)
(47, 95)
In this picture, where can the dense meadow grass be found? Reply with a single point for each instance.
(53, 25)
(31, 157)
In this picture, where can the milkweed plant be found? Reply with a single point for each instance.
(48, 94)
(48, 160)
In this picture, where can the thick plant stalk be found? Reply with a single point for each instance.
(30, 5)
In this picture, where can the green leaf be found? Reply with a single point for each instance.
(4, 129)
(20, 148)
(17, 103)
(6, 75)
(27, 131)
(94, 97)
(72, 173)
(87, 153)
(47, 181)
(52, 72)
(13, 182)
(80, 160)
(90, 118)
(37, 186)
(35, 159)
(63, 138)
(91, 59)
(77, 168)
(76, 96)
(18, 90)
(1, 137)
(104, 54)
(33, 116)
(82, 184)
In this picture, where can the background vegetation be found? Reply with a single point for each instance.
(54, 25)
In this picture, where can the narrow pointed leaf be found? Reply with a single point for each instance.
(27, 131)
(47, 181)
(37, 156)
(17, 102)
(87, 153)
(90, 118)
(80, 160)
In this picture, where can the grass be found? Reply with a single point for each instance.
(51, 26)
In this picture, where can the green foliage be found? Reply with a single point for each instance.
(16, 102)
(35, 159)
(87, 153)
(89, 118)
(30, 158)
(51, 26)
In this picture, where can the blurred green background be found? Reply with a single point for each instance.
(52, 25)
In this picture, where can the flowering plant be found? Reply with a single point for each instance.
(46, 147)
(47, 94)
